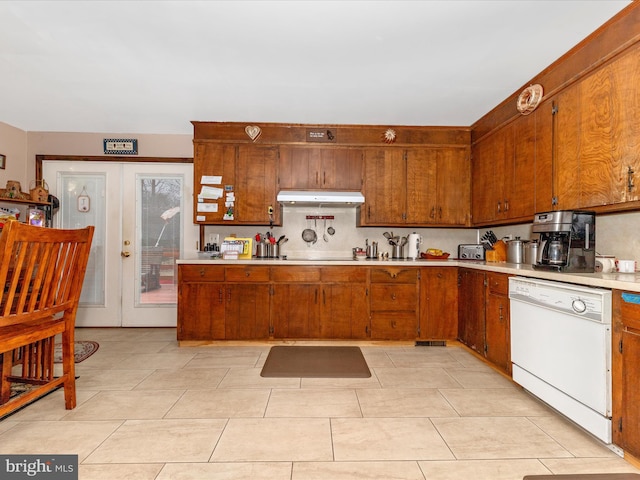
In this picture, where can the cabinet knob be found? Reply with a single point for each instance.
(247, 274)
(202, 272)
(393, 296)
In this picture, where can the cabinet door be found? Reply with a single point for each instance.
(597, 185)
(483, 174)
(385, 187)
(471, 308)
(439, 303)
(341, 169)
(453, 173)
(246, 311)
(497, 342)
(544, 158)
(201, 314)
(256, 184)
(630, 390)
(298, 168)
(296, 310)
(626, 126)
(422, 200)
(217, 160)
(521, 196)
(344, 312)
(566, 161)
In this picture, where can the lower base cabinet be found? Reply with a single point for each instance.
(394, 303)
(254, 302)
(483, 322)
(439, 303)
(497, 347)
(471, 308)
(626, 371)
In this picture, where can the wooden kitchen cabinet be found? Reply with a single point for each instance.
(249, 171)
(295, 302)
(626, 372)
(394, 303)
(596, 137)
(247, 296)
(417, 186)
(212, 159)
(384, 187)
(344, 303)
(256, 185)
(504, 180)
(438, 303)
(314, 168)
(201, 302)
(471, 308)
(438, 186)
(497, 347)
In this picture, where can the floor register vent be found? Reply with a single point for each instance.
(431, 343)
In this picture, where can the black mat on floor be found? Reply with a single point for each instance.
(315, 362)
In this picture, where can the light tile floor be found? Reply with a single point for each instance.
(148, 409)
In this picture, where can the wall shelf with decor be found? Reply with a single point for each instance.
(45, 207)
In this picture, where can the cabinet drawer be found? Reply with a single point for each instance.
(343, 274)
(394, 297)
(394, 326)
(247, 274)
(295, 274)
(629, 311)
(200, 273)
(498, 283)
(394, 275)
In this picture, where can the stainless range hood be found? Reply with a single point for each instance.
(302, 197)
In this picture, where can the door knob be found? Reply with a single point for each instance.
(125, 254)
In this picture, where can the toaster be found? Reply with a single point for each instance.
(471, 252)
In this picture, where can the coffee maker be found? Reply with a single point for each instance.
(567, 241)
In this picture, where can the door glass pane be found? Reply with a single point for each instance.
(158, 233)
(93, 187)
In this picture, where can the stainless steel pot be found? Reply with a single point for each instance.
(515, 250)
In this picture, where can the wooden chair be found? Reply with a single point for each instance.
(41, 272)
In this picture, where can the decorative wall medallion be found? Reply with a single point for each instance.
(389, 136)
(529, 99)
(253, 131)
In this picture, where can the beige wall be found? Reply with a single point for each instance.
(91, 144)
(13, 144)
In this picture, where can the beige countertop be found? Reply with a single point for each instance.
(621, 281)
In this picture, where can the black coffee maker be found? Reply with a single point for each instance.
(567, 241)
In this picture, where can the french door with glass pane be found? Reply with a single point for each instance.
(143, 218)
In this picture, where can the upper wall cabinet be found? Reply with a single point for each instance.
(413, 176)
(248, 183)
(416, 186)
(597, 137)
(504, 174)
(315, 168)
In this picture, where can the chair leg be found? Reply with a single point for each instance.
(69, 368)
(6, 363)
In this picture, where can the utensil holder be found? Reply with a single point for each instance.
(262, 250)
(397, 251)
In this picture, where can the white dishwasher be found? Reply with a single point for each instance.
(561, 349)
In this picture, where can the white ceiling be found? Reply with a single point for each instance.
(153, 66)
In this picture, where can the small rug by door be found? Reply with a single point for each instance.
(83, 349)
(315, 362)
